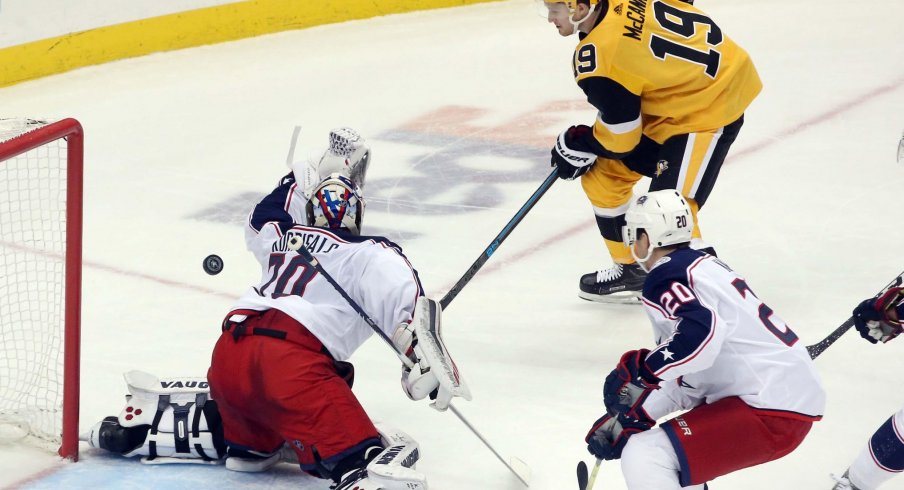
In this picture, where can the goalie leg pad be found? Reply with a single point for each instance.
(181, 420)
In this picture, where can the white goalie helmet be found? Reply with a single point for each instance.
(336, 203)
(663, 215)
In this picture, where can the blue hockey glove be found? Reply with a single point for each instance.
(569, 161)
(629, 384)
(608, 435)
(878, 319)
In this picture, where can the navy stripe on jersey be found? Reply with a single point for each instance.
(693, 332)
(274, 207)
(667, 286)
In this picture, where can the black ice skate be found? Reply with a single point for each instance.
(621, 283)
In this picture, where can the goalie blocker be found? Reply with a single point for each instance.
(433, 373)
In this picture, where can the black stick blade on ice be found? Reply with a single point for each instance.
(582, 476)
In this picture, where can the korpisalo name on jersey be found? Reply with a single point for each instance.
(315, 243)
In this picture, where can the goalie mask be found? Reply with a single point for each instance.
(663, 215)
(336, 203)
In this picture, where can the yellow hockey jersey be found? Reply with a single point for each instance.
(660, 68)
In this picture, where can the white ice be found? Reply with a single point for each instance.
(461, 106)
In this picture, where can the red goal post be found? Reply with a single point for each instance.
(33, 391)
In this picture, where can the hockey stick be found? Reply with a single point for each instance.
(816, 349)
(491, 248)
(313, 262)
(523, 475)
(582, 475)
(291, 156)
(585, 483)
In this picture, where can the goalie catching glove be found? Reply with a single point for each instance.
(348, 154)
(879, 319)
(433, 372)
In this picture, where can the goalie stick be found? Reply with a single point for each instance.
(491, 248)
(523, 471)
(290, 158)
(816, 349)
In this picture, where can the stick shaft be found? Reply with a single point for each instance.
(354, 304)
(491, 248)
(596, 469)
(816, 349)
(316, 264)
(487, 444)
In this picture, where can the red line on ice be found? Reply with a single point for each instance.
(736, 155)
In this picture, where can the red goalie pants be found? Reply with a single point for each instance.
(728, 435)
(270, 390)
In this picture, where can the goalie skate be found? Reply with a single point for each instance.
(357, 480)
(619, 284)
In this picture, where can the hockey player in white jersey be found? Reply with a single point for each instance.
(279, 385)
(879, 320)
(279, 372)
(750, 387)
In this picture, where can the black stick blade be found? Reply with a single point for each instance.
(583, 478)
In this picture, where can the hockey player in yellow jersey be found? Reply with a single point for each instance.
(670, 89)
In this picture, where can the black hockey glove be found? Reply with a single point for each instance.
(629, 384)
(873, 320)
(608, 435)
(571, 162)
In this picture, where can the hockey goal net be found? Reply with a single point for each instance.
(40, 281)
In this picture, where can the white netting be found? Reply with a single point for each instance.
(32, 286)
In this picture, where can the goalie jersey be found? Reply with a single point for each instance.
(372, 270)
(660, 68)
(717, 339)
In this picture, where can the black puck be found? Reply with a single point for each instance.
(213, 264)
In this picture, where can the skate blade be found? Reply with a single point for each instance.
(622, 298)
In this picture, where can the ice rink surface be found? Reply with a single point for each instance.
(461, 107)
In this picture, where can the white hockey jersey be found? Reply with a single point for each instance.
(716, 339)
(372, 270)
